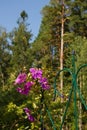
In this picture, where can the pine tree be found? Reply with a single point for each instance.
(20, 46)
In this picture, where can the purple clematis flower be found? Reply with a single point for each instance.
(21, 78)
(36, 73)
(44, 83)
(26, 88)
(29, 116)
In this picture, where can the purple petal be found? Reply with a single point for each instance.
(21, 78)
(44, 83)
(36, 73)
(26, 88)
(31, 118)
(45, 86)
(26, 110)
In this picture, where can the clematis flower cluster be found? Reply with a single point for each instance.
(25, 84)
(36, 74)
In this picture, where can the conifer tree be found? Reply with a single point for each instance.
(20, 46)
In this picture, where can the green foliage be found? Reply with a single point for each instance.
(43, 53)
(4, 59)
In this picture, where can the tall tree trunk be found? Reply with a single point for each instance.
(61, 50)
(62, 44)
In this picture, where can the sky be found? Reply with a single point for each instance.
(10, 12)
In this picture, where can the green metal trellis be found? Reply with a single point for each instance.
(74, 89)
(74, 73)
